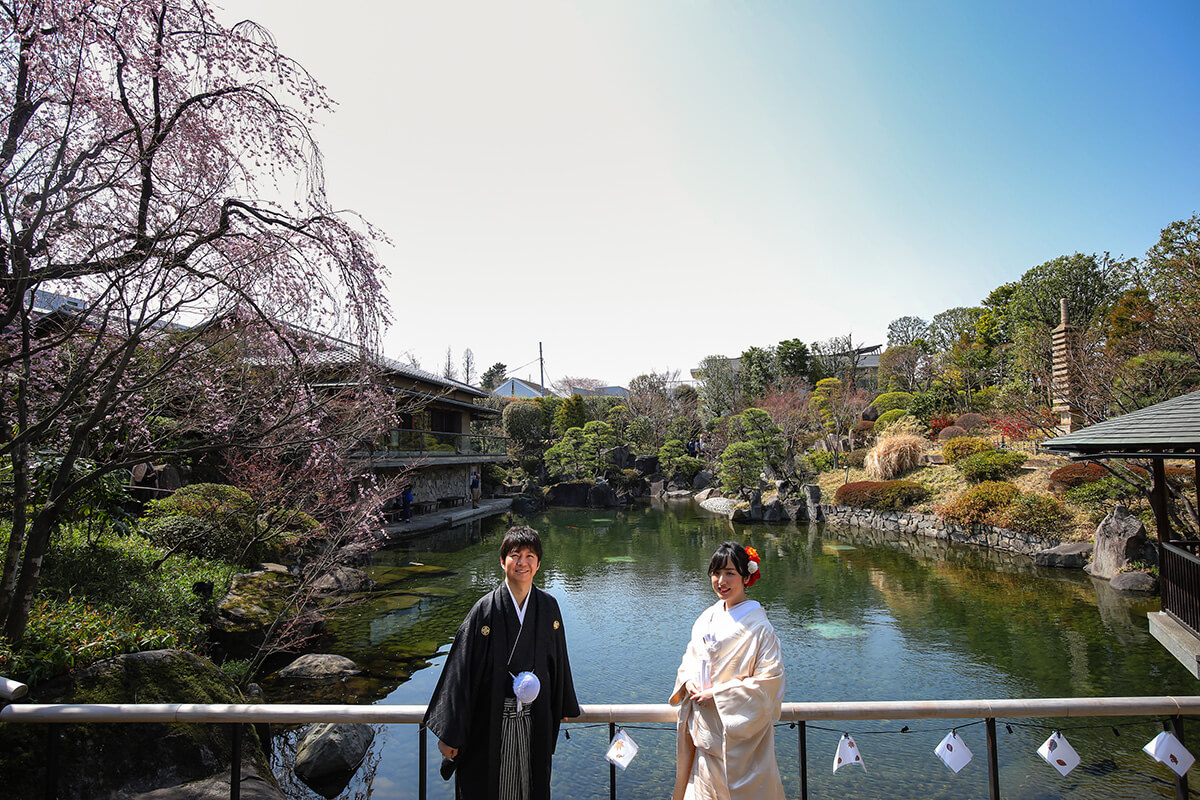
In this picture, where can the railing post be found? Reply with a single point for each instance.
(421, 762)
(993, 761)
(235, 768)
(1181, 782)
(803, 759)
(612, 768)
(52, 762)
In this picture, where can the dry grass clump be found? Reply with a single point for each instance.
(907, 425)
(894, 456)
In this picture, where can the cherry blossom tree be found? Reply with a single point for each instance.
(158, 167)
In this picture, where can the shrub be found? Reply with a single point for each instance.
(979, 504)
(854, 458)
(820, 460)
(949, 432)
(893, 456)
(1077, 474)
(892, 401)
(960, 447)
(970, 421)
(887, 418)
(1035, 513)
(881, 495)
(938, 422)
(689, 466)
(741, 465)
(627, 480)
(991, 465)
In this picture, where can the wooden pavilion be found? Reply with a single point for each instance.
(1167, 430)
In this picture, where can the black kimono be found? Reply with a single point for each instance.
(465, 709)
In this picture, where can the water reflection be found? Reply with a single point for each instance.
(863, 615)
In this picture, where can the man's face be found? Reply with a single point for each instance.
(520, 566)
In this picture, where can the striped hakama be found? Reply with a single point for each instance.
(516, 730)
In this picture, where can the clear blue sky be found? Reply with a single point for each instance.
(639, 184)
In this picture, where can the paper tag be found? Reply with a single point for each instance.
(622, 750)
(1167, 749)
(1058, 753)
(953, 752)
(847, 753)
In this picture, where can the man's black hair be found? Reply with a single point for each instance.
(519, 536)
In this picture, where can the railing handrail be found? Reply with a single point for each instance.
(67, 713)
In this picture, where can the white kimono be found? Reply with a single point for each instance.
(725, 750)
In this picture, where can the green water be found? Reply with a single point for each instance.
(862, 616)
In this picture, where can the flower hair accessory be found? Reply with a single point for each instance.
(752, 567)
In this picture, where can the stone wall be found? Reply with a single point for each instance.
(938, 528)
(431, 482)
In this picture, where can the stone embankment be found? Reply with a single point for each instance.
(928, 525)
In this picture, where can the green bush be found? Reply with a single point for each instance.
(979, 504)
(1035, 513)
(854, 458)
(741, 465)
(991, 465)
(881, 495)
(892, 401)
(887, 418)
(960, 447)
(820, 460)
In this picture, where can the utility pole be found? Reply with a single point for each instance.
(541, 368)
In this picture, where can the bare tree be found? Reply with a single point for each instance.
(468, 366)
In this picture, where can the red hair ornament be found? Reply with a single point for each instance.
(755, 574)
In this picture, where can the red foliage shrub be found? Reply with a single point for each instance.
(939, 421)
(970, 421)
(1076, 475)
(881, 495)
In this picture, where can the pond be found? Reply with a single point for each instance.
(862, 615)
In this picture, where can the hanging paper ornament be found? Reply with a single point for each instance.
(622, 750)
(953, 751)
(1167, 749)
(1058, 753)
(847, 753)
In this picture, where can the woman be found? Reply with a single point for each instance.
(729, 689)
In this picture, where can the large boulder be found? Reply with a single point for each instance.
(796, 508)
(251, 787)
(330, 752)
(657, 488)
(646, 464)
(1135, 582)
(254, 601)
(773, 509)
(103, 760)
(1120, 539)
(574, 494)
(343, 579)
(679, 483)
(602, 496)
(621, 456)
(812, 498)
(1072, 555)
(719, 505)
(704, 479)
(319, 665)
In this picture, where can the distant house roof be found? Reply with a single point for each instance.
(515, 387)
(1170, 428)
(601, 391)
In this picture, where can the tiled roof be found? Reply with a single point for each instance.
(1172, 426)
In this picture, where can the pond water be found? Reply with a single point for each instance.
(862, 615)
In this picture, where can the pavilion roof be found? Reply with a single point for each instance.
(1170, 428)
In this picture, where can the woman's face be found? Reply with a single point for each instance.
(729, 585)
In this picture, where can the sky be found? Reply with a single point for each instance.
(637, 184)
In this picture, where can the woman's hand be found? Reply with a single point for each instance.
(446, 750)
(701, 698)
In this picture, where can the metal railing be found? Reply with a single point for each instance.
(799, 713)
(1179, 575)
(410, 441)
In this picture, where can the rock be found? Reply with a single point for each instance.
(657, 488)
(796, 509)
(1120, 538)
(774, 510)
(602, 496)
(704, 494)
(677, 494)
(319, 665)
(744, 512)
(332, 748)
(621, 455)
(573, 494)
(355, 553)
(647, 465)
(679, 482)
(524, 506)
(251, 787)
(270, 566)
(1136, 582)
(719, 505)
(343, 580)
(1073, 555)
(704, 479)
(106, 760)
(253, 602)
(870, 413)
(812, 498)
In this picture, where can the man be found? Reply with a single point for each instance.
(474, 489)
(501, 747)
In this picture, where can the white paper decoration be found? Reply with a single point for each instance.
(953, 751)
(1166, 749)
(1058, 753)
(622, 750)
(847, 753)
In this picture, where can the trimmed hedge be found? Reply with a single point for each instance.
(1035, 513)
(949, 432)
(980, 504)
(892, 401)
(881, 495)
(991, 465)
(970, 421)
(854, 458)
(887, 418)
(960, 447)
